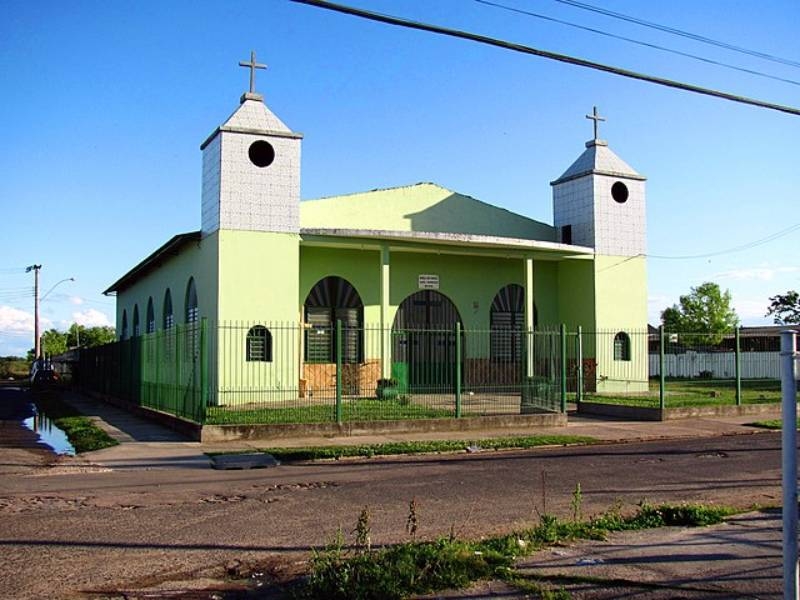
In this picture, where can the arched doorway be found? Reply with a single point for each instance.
(424, 357)
(334, 299)
(507, 324)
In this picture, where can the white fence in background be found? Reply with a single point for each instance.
(721, 365)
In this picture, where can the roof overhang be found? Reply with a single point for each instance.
(172, 248)
(449, 243)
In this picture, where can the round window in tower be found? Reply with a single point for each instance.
(261, 153)
(619, 192)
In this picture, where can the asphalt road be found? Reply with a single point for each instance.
(65, 530)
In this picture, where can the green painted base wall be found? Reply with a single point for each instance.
(621, 284)
(258, 283)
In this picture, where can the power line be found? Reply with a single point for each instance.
(740, 248)
(675, 31)
(637, 42)
(546, 54)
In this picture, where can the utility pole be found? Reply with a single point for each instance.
(37, 342)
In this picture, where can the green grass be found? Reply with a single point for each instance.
(698, 392)
(424, 447)
(80, 430)
(771, 424)
(415, 567)
(352, 410)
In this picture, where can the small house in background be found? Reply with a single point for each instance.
(417, 278)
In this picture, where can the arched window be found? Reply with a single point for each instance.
(169, 317)
(507, 323)
(334, 299)
(136, 331)
(124, 333)
(151, 317)
(191, 302)
(259, 344)
(622, 346)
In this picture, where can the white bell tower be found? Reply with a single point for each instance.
(251, 169)
(599, 201)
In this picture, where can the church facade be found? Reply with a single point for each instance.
(386, 263)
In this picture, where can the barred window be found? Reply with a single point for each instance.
(622, 346)
(151, 317)
(169, 317)
(191, 302)
(259, 344)
(136, 331)
(334, 299)
(507, 323)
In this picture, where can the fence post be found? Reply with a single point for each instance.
(176, 395)
(157, 390)
(563, 368)
(339, 371)
(738, 367)
(579, 363)
(661, 377)
(458, 370)
(201, 413)
(789, 463)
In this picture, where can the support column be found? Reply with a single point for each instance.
(529, 316)
(386, 326)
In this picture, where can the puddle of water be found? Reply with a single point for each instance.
(49, 434)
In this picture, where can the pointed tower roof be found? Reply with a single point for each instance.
(598, 159)
(253, 116)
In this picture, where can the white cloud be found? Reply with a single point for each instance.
(91, 317)
(751, 312)
(764, 273)
(13, 320)
(76, 300)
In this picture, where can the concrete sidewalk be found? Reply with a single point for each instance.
(149, 445)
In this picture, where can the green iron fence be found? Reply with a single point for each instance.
(244, 373)
(241, 373)
(347, 374)
(165, 370)
(686, 369)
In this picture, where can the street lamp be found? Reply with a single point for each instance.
(47, 293)
(37, 349)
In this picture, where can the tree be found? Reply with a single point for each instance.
(784, 308)
(53, 342)
(89, 337)
(705, 313)
(56, 342)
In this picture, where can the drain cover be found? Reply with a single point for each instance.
(257, 460)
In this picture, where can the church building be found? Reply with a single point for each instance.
(387, 263)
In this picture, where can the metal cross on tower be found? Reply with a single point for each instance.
(252, 65)
(595, 117)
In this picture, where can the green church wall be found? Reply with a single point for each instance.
(258, 282)
(545, 295)
(360, 267)
(196, 261)
(470, 282)
(576, 294)
(621, 283)
(420, 207)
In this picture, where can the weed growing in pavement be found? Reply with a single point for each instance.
(577, 503)
(362, 531)
(412, 521)
(421, 567)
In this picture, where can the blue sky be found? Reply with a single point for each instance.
(105, 105)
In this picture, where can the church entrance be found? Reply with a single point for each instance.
(425, 343)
